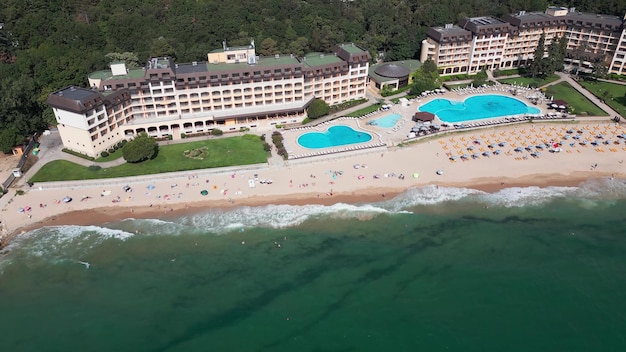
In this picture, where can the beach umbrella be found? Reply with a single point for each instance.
(600, 136)
(464, 156)
(360, 177)
(439, 172)
(519, 149)
(67, 199)
(528, 147)
(416, 175)
(471, 147)
(487, 153)
(491, 146)
(20, 210)
(498, 152)
(570, 131)
(150, 187)
(105, 193)
(454, 157)
(204, 192)
(475, 156)
(501, 144)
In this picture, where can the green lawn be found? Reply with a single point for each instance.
(614, 95)
(533, 82)
(581, 105)
(220, 152)
(115, 155)
(364, 111)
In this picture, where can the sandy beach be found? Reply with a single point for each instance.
(330, 179)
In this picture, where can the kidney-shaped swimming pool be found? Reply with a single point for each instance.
(477, 107)
(333, 137)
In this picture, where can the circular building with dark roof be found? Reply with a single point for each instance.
(395, 74)
(393, 70)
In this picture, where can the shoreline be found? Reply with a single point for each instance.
(345, 178)
(109, 214)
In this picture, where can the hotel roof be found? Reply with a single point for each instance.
(480, 24)
(449, 33)
(319, 59)
(79, 100)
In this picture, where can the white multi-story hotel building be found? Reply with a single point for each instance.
(510, 42)
(234, 88)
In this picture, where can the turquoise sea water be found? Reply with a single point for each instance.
(333, 137)
(477, 107)
(387, 121)
(435, 269)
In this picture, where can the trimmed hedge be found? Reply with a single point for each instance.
(80, 155)
(277, 139)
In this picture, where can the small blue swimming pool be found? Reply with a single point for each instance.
(477, 107)
(387, 121)
(333, 137)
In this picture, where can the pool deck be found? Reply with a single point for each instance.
(384, 138)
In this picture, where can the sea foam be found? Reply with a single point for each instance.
(78, 239)
(59, 243)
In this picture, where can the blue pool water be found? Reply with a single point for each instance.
(478, 107)
(333, 137)
(386, 121)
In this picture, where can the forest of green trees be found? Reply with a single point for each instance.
(46, 45)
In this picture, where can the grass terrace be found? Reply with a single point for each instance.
(113, 156)
(533, 82)
(581, 105)
(613, 94)
(364, 111)
(232, 151)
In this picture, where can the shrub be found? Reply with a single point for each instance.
(277, 138)
(104, 154)
(94, 168)
(183, 136)
(217, 132)
(19, 192)
(267, 147)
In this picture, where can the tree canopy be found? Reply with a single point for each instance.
(47, 45)
(318, 108)
(140, 148)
